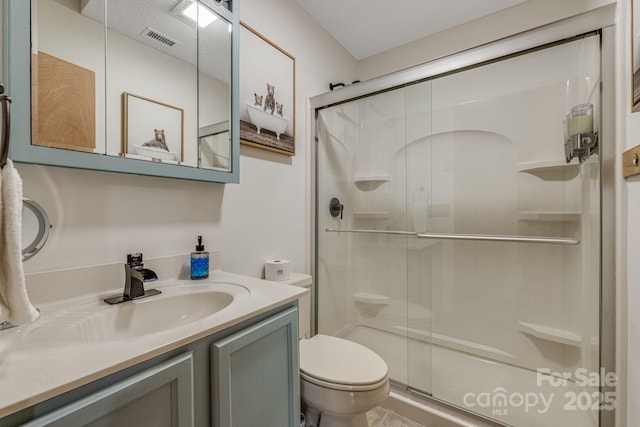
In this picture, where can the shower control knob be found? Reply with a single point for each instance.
(335, 207)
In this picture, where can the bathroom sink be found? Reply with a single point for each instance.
(97, 321)
(147, 316)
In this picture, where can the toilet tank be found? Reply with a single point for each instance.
(304, 302)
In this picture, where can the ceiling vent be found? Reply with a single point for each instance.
(159, 37)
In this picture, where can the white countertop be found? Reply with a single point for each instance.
(36, 366)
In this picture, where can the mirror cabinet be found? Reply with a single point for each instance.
(146, 87)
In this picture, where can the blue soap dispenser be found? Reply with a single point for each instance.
(199, 262)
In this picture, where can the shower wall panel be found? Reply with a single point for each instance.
(478, 152)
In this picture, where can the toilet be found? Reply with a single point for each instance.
(340, 381)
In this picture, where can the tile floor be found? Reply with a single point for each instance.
(380, 417)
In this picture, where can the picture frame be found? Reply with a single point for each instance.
(152, 130)
(267, 94)
(635, 56)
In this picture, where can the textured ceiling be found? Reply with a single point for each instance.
(363, 27)
(132, 17)
(368, 27)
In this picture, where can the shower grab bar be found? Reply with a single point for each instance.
(347, 230)
(476, 237)
(500, 238)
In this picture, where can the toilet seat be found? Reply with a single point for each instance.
(343, 387)
(339, 364)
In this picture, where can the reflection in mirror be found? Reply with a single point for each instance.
(162, 143)
(141, 88)
(214, 150)
(68, 62)
(214, 85)
(35, 228)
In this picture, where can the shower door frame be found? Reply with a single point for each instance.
(600, 20)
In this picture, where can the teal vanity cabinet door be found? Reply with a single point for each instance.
(158, 397)
(255, 375)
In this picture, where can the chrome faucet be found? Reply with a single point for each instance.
(134, 277)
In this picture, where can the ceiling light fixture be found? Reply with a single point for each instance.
(195, 12)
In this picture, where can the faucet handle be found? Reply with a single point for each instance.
(135, 260)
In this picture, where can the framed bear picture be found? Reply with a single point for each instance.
(267, 93)
(635, 56)
(152, 130)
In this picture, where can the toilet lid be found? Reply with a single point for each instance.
(333, 360)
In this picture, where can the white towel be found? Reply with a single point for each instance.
(15, 306)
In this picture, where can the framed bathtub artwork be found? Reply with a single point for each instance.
(152, 130)
(267, 93)
(635, 55)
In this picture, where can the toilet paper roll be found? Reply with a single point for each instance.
(277, 269)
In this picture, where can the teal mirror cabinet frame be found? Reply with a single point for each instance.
(17, 71)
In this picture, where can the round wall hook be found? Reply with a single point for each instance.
(35, 228)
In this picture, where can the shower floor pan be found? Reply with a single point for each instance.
(509, 394)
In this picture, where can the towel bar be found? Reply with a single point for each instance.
(6, 126)
(476, 237)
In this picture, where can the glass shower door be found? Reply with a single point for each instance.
(456, 241)
(363, 246)
(510, 315)
(424, 259)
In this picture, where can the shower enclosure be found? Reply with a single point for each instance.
(456, 237)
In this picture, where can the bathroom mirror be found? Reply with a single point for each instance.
(35, 228)
(125, 86)
(213, 147)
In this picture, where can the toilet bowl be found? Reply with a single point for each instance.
(340, 381)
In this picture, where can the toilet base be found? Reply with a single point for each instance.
(339, 408)
(315, 419)
(359, 420)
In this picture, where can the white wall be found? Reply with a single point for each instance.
(519, 18)
(98, 217)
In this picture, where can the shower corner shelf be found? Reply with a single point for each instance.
(547, 333)
(370, 182)
(552, 170)
(549, 216)
(369, 298)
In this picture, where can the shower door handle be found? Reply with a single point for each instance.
(471, 237)
(500, 238)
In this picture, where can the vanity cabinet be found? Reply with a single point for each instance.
(255, 375)
(242, 376)
(161, 396)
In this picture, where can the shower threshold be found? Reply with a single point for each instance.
(428, 410)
